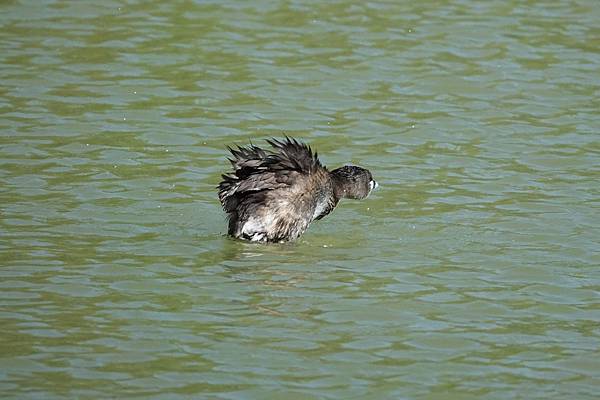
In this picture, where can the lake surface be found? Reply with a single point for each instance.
(472, 273)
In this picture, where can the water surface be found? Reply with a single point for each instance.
(473, 272)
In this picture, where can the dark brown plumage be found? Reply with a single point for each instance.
(274, 195)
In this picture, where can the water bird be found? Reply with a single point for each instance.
(273, 195)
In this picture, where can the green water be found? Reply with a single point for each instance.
(472, 273)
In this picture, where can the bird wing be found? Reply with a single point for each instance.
(256, 170)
